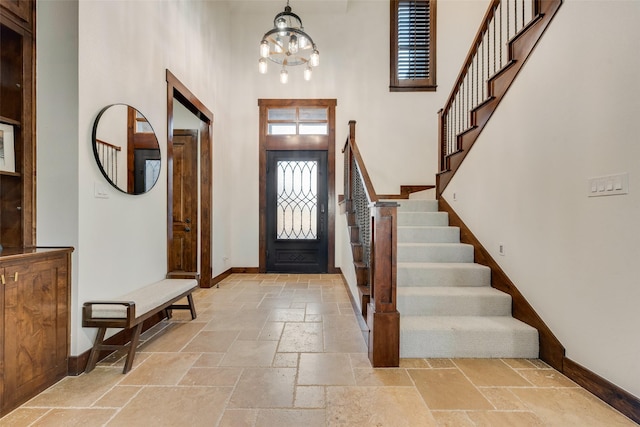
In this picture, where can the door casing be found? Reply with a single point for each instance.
(297, 142)
(177, 90)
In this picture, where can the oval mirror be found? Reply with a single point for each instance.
(126, 149)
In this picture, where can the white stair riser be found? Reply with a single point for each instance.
(460, 344)
(495, 304)
(417, 205)
(416, 234)
(434, 253)
(436, 275)
(423, 218)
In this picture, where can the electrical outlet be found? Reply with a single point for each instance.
(501, 249)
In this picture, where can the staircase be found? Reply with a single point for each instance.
(446, 303)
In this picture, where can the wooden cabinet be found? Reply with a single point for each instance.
(17, 123)
(34, 322)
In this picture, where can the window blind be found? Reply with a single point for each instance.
(414, 34)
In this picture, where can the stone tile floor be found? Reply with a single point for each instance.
(287, 350)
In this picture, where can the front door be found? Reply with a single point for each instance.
(297, 212)
(184, 251)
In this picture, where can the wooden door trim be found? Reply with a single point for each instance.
(292, 143)
(176, 89)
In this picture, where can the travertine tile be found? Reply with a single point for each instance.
(301, 337)
(167, 406)
(174, 337)
(360, 360)
(161, 369)
(238, 418)
(75, 417)
(250, 353)
(221, 377)
(291, 417)
(302, 361)
(272, 331)
(80, 391)
(309, 397)
(505, 419)
(322, 308)
(382, 377)
(264, 388)
(325, 369)
(211, 342)
(285, 360)
(546, 378)
(453, 419)
(23, 416)
(441, 363)
(414, 363)
(117, 397)
(376, 406)
(208, 360)
(503, 398)
(490, 372)
(287, 315)
(570, 407)
(447, 389)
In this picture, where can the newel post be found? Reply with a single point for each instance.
(383, 318)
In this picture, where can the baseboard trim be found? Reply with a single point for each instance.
(623, 401)
(551, 350)
(234, 270)
(362, 322)
(76, 365)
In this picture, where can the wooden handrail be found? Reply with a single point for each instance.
(507, 35)
(376, 226)
(355, 152)
(472, 52)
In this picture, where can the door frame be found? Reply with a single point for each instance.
(177, 90)
(293, 143)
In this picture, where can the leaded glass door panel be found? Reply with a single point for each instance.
(297, 211)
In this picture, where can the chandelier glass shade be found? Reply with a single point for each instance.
(286, 44)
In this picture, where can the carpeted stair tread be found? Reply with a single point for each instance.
(442, 274)
(423, 218)
(428, 234)
(434, 252)
(453, 301)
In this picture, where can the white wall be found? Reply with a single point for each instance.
(570, 115)
(396, 132)
(124, 48)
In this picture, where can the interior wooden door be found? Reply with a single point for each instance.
(184, 251)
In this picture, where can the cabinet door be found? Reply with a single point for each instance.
(35, 327)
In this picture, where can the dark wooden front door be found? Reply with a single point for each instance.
(184, 251)
(297, 212)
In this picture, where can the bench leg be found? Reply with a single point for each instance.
(95, 350)
(132, 348)
(192, 306)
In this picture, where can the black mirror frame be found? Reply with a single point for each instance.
(97, 157)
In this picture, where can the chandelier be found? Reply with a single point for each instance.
(288, 44)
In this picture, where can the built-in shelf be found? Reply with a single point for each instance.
(8, 121)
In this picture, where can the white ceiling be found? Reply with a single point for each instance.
(299, 7)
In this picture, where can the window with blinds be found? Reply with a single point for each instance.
(413, 45)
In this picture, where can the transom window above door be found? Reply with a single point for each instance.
(298, 121)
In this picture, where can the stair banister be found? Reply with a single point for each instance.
(507, 35)
(377, 222)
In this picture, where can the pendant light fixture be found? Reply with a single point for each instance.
(287, 44)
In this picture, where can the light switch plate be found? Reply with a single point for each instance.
(609, 185)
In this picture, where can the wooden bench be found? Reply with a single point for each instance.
(129, 311)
